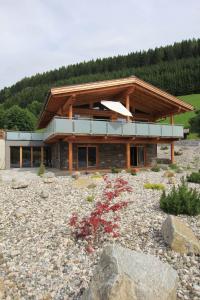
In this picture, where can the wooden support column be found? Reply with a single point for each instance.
(20, 156)
(42, 155)
(128, 156)
(172, 153)
(31, 156)
(70, 157)
(70, 113)
(172, 144)
(128, 106)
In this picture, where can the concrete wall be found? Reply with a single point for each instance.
(2, 154)
(19, 143)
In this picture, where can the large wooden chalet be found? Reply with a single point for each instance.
(81, 133)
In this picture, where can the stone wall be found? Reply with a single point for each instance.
(112, 155)
(109, 155)
(151, 154)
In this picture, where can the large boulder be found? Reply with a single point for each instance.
(179, 236)
(130, 275)
(19, 184)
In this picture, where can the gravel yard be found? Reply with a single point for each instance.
(40, 260)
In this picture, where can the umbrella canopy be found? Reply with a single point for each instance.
(117, 107)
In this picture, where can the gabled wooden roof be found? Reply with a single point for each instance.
(143, 95)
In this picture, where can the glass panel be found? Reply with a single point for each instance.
(82, 157)
(92, 156)
(47, 157)
(14, 157)
(26, 157)
(134, 156)
(36, 156)
(141, 156)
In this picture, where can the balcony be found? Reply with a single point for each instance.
(64, 126)
(24, 136)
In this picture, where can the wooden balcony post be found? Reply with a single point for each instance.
(172, 153)
(128, 106)
(20, 157)
(70, 157)
(172, 144)
(128, 156)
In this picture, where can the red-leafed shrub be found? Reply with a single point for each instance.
(103, 219)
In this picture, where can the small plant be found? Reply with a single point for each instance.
(194, 177)
(114, 170)
(173, 166)
(154, 186)
(163, 148)
(177, 153)
(41, 170)
(155, 169)
(103, 219)
(90, 198)
(181, 200)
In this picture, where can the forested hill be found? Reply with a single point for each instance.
(174, 68)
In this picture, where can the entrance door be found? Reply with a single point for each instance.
(87, 157)
(137, 156)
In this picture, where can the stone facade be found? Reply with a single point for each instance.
(109, 155)
(151, 154)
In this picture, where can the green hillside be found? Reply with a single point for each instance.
(173, 68)
(183, 119)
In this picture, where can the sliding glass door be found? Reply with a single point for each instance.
(137, 156)
(87, 157)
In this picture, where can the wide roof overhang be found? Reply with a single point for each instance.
(143, 96)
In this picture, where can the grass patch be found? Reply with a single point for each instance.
(90, 198)
(154, 186)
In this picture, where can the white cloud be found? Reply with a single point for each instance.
(39, 35)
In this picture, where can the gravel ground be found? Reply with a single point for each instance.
(40, 260)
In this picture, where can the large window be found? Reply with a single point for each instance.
(14, 157)
(87, 156)
(26, 157)
(36, 156)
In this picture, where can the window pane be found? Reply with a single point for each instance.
(82, 157)
(141, 156)
(26, 157)
(133, 156)
(36, 156)
(91, 156)
(14, 157)
(47, 157)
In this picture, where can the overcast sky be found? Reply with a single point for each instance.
(40, 35)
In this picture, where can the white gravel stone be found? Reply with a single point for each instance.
(39, 258)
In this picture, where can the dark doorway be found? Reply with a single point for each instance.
(137, 156)
(14, 157)
(26, 157)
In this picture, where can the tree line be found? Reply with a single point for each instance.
(174, 68)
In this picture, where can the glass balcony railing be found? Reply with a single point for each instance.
(62, 126)
(101, 127)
